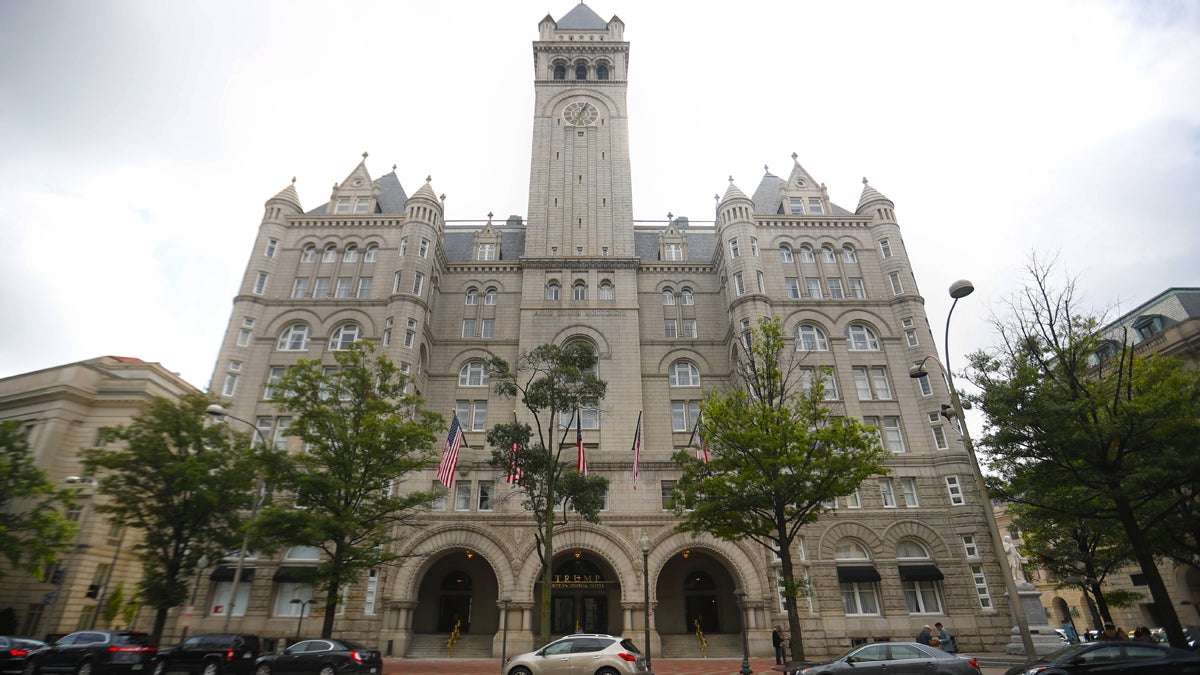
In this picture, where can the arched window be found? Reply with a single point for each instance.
(806, 254)
(785, 254)
(911, 549)
(606, 290)
(560, 72)
(810, 338)
(489, 297)
(581, 71)
(686, 297)
(371, 253)
(860, 338)
(344, 336)
(351, 254)
(553, 292)
(684, 374)
(602, 71)
(294, 338)
(330, 254)
(827, 254)
(849, 549)
(309, 253)
(473, 374)
(848, 254)
(668, 296)
(303, 553)
(579, 291)
(472, 296)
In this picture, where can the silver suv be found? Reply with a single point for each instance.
(581, 654)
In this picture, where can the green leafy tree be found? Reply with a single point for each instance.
(181, 483)
(777, 454)
(553, 383)
(112, 605)
(33, 529)
(362, 436)
(1124, 430)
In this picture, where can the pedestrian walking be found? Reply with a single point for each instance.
(947, 640)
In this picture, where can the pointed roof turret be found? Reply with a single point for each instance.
(869, 195)
(582, 18)
(426, 191)
(289, 196)
(733, 192)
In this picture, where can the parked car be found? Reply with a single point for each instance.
(581, 654)
(210, 654)
(1125, 656)
(14, 651)
(894, 657)
(321, 657)
(94, 652)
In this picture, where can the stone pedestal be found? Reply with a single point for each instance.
(1045, 638)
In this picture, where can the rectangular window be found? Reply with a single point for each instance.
(673, 252)
(897, 287)
(828, 381)
(322, 289)
(372, 588)
(981, 587)
(815, 207)
(410, 337)
(862, 383)
(955, 491)
(853, 500)
(362, 205)
(762, 282)
(939, 437)
(396, 278)
(220, 598)
(892, 435)
(887, 493)
(911, 336)
(230, 384)
(753, 246)
(688, 329)
(796, 206)
(487, 328)
(684, 415)
(885, 248)
(342, 205)
(813, 287)
(739, 284)
(273, 377)
(668, 495)
(364, 287)
(404, 246)
(263, 424)
(418, 283)
(923, 383)
(272, 245)
(260, 283)
(281, 432)
(479, 416)
(835, 288)
(670, 328)
(734, 250)
(859, 598)
(485, 495)
(424, 250)
(235, 365)
(969, 546)
(793, 287)
(922, 597)
(487, 252)
(440, 492)
(785, 255)
(343, 287)
(857, 290)
(468, 328)
(879, 380)
(909, 487)
(300, 287)
(243, 338)
(462, 496)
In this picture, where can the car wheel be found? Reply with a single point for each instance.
(85, 668)
(30, 668)
(519, 670)
(262, 669)
(326, 670)
(606, 671)
(210, 668)
(160, 668)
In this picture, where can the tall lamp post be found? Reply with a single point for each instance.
(221, 413)
(200, 565)
(504, 639)
(740, 595)
(961, 289)
(644, 543)
(303, 606)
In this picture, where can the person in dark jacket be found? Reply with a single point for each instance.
(777, 643)
(925, 634)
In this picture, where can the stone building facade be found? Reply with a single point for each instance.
(62, 410)
(663, 305)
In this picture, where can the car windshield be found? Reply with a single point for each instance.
(1065, 653)
(132, 639)
(628, 646)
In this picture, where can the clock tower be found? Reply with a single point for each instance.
(580, 200)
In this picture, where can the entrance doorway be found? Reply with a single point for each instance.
(580, 596)
(700, 602)
(454, 603)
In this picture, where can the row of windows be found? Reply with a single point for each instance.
(580, 70)
(579, 291)
(812, 286)
(330, 253)
(343, 287)
(489, 296)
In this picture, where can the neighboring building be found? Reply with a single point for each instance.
(1167, 324)
(663, 305)
(62, 410)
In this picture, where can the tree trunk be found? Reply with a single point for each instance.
(547, 571)
(160, 622)
(796, 643)
(331, 602)
(1158, 590)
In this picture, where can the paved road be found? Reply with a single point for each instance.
(393, 666)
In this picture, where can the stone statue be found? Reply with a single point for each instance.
(1015, 559)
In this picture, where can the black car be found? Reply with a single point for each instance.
(1124, 656)
(14, 651)
(210, 654)
(94, 652)
(321, 657)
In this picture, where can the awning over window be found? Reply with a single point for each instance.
(299, 575)
(860, 573)
(225, 573)
(920, 573)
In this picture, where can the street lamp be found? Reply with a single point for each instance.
(303, 606)
(504, 639)
(221, 413)
(644, 543)
(200, 565)
(961, 289)
(740, 596)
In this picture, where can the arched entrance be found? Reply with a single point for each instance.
(454, 603)
(696, 586)
(584, 596)
(457, 588)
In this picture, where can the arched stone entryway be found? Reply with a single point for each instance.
(695, 586)
(585, 595)
(459, 588)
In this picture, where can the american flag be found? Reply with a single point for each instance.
(514, 469)
(581, 465)
(698, 441)
(637, 449)
(454, 441)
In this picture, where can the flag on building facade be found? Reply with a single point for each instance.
(698, 441)
(454, 441)
(514, 469)
(637, 449)
(581, 464)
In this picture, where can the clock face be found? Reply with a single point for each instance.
(580, 114)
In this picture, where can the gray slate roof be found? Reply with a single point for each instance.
(767, 201)
(391, 197)
(581, 18)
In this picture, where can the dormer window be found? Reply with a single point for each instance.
(1148, 326)
(362, 205)
(797, 206)
(814, 206)
(673, 252)
(342, 205)
(487, 252)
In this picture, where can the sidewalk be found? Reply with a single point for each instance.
(991, 664)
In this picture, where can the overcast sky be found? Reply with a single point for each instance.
(139, 139)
